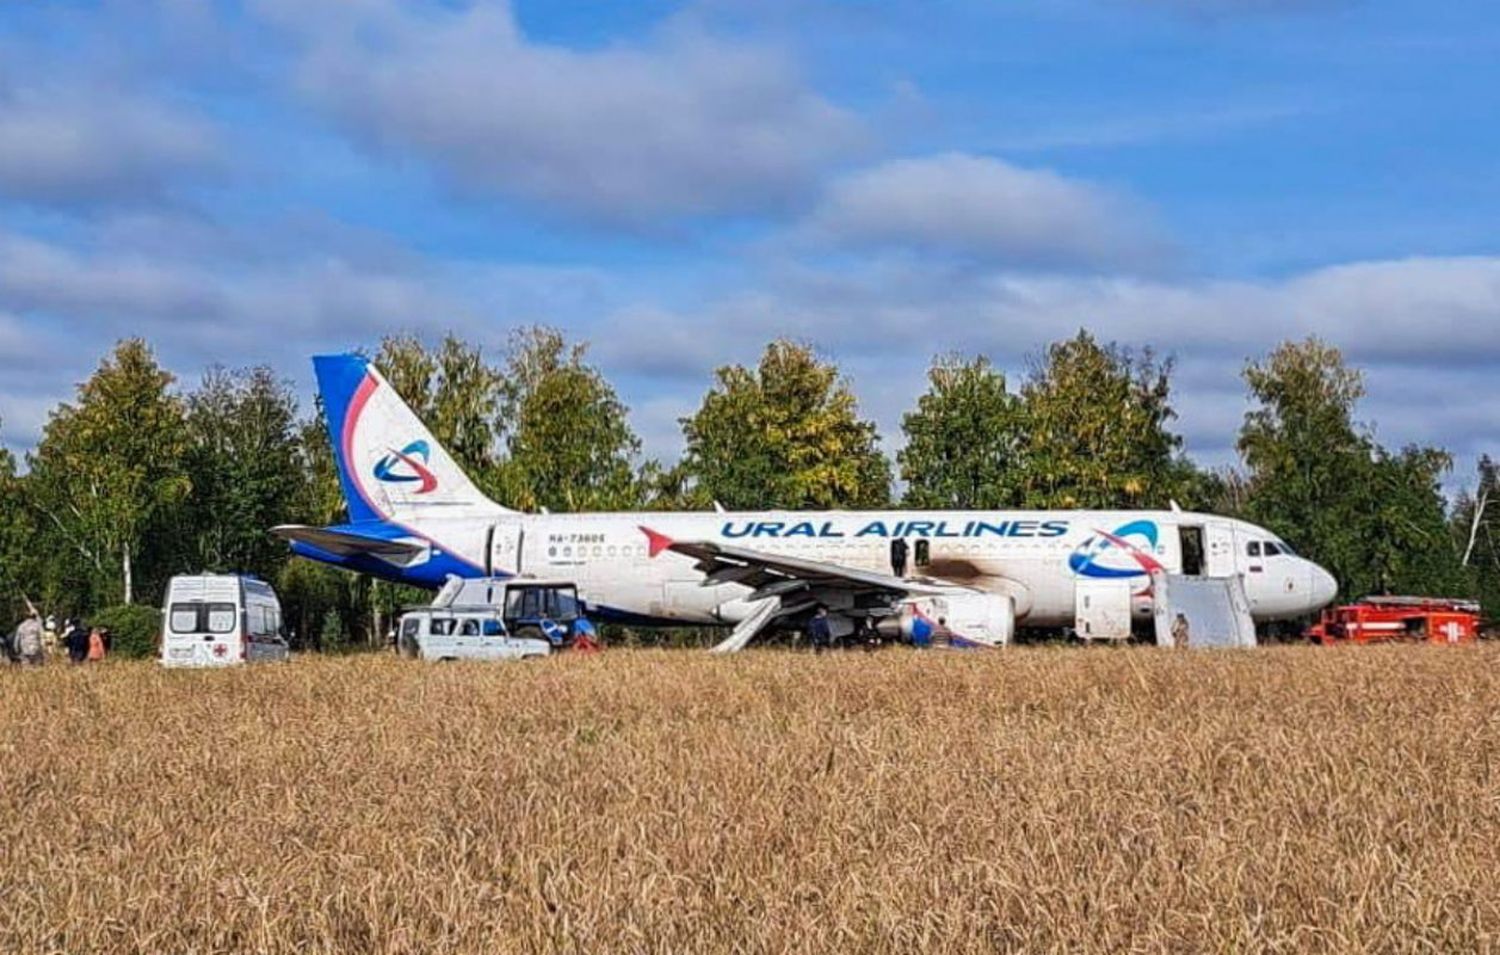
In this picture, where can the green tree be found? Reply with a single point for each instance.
(15, 564)
(1376, 520)
(242, 460)
(786, 434)
(1409, 548)
(568, 441)
(108, 469)
(1476, 534)
(456, 394)
(965, 440)
(1098, 420)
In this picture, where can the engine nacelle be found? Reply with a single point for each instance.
(983, 620)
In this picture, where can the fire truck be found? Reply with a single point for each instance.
(1378, 619)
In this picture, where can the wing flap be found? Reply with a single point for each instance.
(345, 544)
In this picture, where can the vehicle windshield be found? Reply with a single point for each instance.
(202, 617)
(528, 603)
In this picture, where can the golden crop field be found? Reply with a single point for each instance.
(1031, 799)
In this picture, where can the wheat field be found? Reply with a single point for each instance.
(1104, 799)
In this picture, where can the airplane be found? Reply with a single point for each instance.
(416, 518)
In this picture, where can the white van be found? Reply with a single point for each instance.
(219, 620)
(463, 633)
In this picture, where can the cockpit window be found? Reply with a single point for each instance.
(1286, 548)
(1253, 548)
(1271, 549)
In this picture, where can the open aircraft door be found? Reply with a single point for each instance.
(503, 555)
(1218, 545)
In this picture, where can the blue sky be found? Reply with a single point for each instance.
(677, 183)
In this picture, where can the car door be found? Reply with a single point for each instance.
(492, 641)
(469, 640)
(440, 637)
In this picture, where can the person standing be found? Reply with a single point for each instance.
(76, 639)
(899, 549)
(818, 632)
(29, 640)
(50, 638)
(96, 648)
(1180, 634)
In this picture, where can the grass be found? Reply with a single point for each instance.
(1033, 799)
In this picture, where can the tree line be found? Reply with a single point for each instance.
(137, 478)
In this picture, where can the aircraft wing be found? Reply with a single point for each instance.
(786, 583)
(344, 544)
(729, 563)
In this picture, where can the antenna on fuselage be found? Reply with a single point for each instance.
(1176, 508)
(718, 508)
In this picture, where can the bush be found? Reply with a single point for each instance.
(134, 629)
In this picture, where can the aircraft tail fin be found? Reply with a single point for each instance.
(390, 466)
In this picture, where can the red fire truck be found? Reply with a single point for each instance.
(1376, 619)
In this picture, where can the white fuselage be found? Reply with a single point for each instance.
(1038, 557)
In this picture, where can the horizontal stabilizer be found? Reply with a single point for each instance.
(344, 544)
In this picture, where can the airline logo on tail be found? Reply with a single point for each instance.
(1114, 555)
(406, 466)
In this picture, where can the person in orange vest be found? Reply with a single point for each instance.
(96, 644)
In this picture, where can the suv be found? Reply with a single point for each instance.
(463, 633)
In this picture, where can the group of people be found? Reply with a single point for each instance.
(35, 641)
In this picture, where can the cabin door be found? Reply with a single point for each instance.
(1218, 546)
(504, 550)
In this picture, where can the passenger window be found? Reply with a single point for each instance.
(1253, 548)
(492, 628)
(471, 628)
(440, 627)
(410, 627)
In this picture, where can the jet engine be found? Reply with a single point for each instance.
(987, 620)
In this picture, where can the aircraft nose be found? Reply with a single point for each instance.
(1323, 587)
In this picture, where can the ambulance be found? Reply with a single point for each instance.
(212, 620)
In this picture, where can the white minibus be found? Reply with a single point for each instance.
(220, 620)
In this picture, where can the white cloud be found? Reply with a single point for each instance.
(90, 143)
(1424, 329)
(987, 210)
(684, 126)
